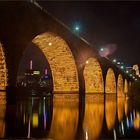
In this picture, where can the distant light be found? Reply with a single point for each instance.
(133, 77)
(118, 63)
(102, 49)
(122, 67)
(77, 28)
(50, 44)
(127, 71)
(130, 74)
(87, 62)
(114, 60)
(136, 79)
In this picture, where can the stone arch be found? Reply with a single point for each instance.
(110, 85)
(3, 70)
(93, 77)
(125, 86)
(120, 86)
(61, 61)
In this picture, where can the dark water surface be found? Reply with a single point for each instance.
(65, 118)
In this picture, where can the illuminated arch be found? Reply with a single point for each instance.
(110, 85)
(93, 77)
(120, 86)
(3, 71)
(61, 60)
(94, 116)
(126, 86)
(110, 112)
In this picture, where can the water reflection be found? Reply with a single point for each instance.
(93, 118)
(110, 111)
(32, 116)
(137, 121)
(120, 108)
(59, 119)
(2, 113)
(65, 119)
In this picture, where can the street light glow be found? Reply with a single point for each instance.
(114, 60)
(127, 71)
(122, 67)
(77, 28)
(50, 44)
(102, 49)
(118, 63)
(87, 62)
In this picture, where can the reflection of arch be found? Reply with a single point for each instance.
(120, 86)
(2, 113)
(130, 85)
(93, 119)
(120, 108)
(126, 106)
(126, 86)
(110, 85)
(64, 120)
(61, 61)
(93, 77)
(110, 112)
(3, 73)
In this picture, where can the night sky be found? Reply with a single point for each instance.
(103, 24)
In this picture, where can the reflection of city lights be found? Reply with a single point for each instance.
(127, 122)
(35, 120)
(114, 132)
(131, 117)
(122, 126)
(86, 135)
(114, 60)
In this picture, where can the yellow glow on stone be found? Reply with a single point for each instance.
(110, 85)
(35, 120)
(3, 71)
(126, 86)
(120, 86)
(61, 60)
(93, 77)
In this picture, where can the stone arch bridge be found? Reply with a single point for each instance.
(75, 64)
